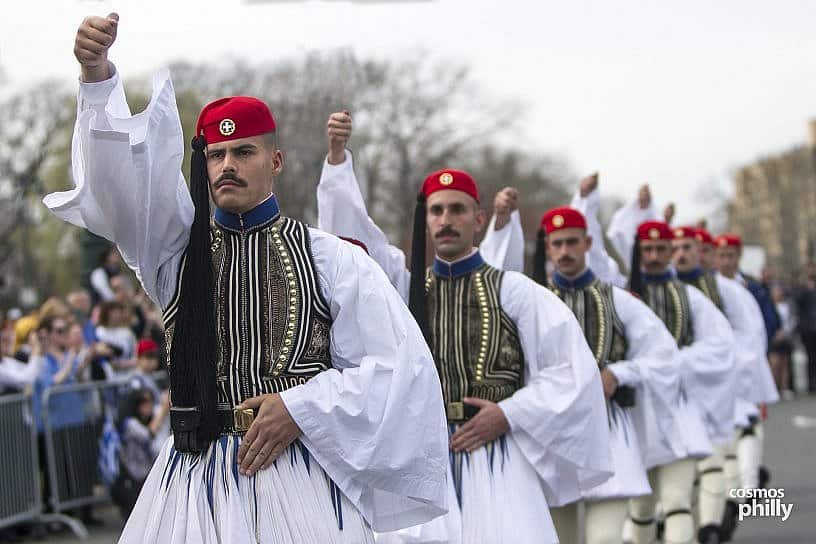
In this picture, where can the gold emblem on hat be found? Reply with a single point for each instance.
(678, 233)
(723, 242)
(699, 237)
(654, 234)
(558, 221)
(446, 178)
(226, 127)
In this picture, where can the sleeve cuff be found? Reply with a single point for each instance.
(510, 415)
(622, 374)
(293, 399)
(329, 169)
(98, 92)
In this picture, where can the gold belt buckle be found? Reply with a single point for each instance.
(242, 419)
(455, 411)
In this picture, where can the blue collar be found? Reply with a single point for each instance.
(265, 212)
(691, 275)
(583, 280)
(458, 268)
(657, 278)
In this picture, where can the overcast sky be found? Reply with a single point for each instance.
(672, 93)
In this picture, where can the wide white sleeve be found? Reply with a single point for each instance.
(128, 186)
(652, 367)
(341, 211)
(375, 421)
(602, 265)
(624, 224)
(748, 327)
(559, 417)
(650, 347)
(764, 387)
(504, 248)
(708, 366)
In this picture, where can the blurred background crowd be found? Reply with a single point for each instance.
(105, 330)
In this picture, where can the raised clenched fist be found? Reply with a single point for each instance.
(644, 196)
(338, 130)
(93, 39)
(668, 213)
(505, 203)
(588, 184)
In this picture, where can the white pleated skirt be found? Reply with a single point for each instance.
(494, 496)
(201, 498)
(629, 479)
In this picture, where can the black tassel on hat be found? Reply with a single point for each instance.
(636, 284)
(540, 259)
(192, 356)
(416, 297)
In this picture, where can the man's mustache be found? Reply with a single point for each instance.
(228, 177)
(447, 231)
(565, 260)
(653, 264)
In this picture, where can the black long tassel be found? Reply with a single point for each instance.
(192, 369)
(636, 284)
(416, 296)
(540, 259)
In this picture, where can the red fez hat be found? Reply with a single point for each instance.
(234, 117)
(563, 218)
(684, 232)
(704, 237)
(654, 230)
(455, 180)
(146, 346)
(724, 240)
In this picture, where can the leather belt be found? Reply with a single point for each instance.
(235, 421)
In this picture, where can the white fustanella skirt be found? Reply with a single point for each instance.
(201, 498)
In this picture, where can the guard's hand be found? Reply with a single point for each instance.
(486, 426)
(588, 184)
(93, 39)
(338, 129)
(668, 213)
(610, 382)
(504, 204)
(271, 432)
(644, 196)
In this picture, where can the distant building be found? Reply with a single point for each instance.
(775, 205)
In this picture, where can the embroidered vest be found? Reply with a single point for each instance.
(594, 308)
(669, 300)
(707, 283)
(475, 345)
(272, 322)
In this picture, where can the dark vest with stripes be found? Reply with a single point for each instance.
(705, 282)
(474, 343)
(668, 298)
(592, 302)
(272, 321)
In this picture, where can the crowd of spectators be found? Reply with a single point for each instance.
(111, 333)
(794, 298)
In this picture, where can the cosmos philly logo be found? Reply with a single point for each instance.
(762, 503)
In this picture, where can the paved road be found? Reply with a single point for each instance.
(790, 451)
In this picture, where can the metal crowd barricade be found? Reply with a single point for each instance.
(73, 418)
(20, 496)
